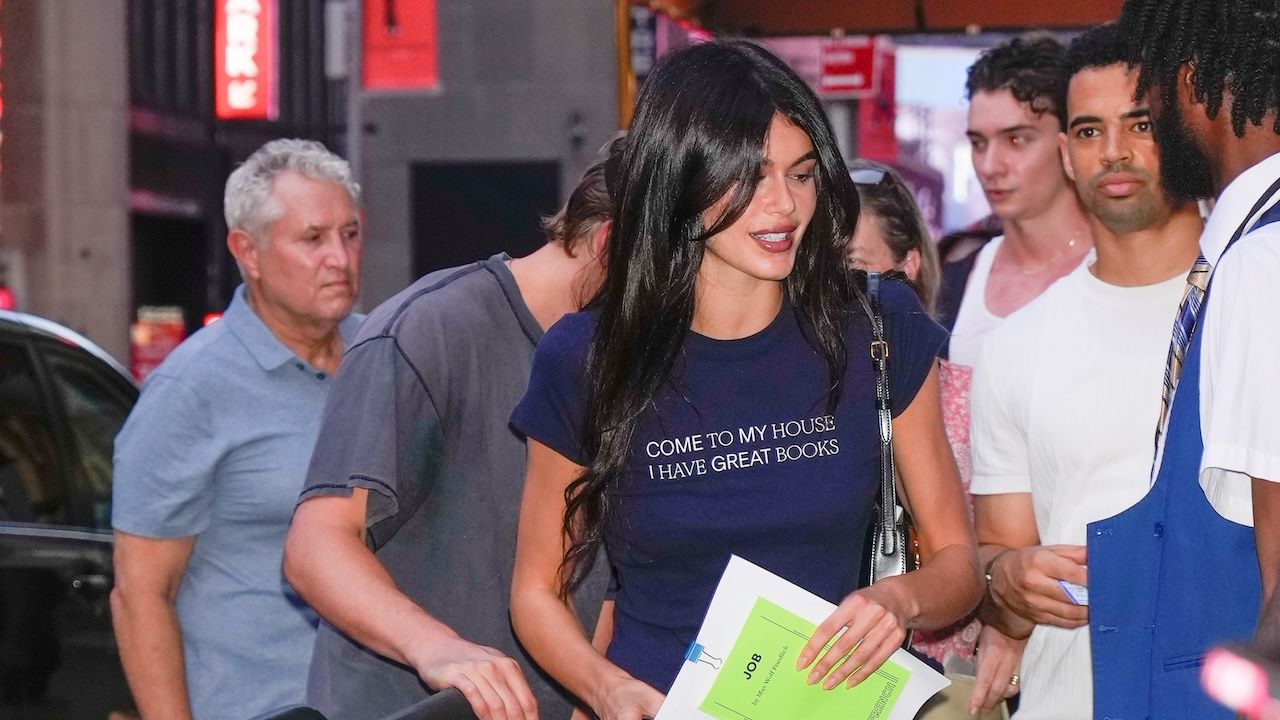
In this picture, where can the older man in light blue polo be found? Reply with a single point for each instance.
(211, 461)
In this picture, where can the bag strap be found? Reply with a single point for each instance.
(1250, 222)
(884, 411)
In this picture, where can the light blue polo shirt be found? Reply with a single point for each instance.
(217, 447)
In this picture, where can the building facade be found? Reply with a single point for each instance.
(113, 157)
(113, 160)
(527, 94)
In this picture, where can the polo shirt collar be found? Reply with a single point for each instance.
(245, 324)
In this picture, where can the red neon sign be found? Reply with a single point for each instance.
(244, 48)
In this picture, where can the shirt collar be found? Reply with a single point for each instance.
(261, 343)
(245, 324)
(1237, 199)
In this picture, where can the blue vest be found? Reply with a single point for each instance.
(1169, 577)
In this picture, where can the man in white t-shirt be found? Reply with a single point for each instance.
(1015, 114)
(1067, 392)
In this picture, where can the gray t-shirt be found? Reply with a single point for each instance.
(418, 416)
(217, 448)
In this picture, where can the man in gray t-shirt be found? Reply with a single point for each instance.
(404, 538)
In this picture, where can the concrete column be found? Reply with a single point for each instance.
(64, 163)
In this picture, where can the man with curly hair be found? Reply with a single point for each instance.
(1017, 94)
(1179, 571)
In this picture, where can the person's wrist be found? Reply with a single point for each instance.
(989, 574)
(602, 685)
(422, 646)
(898, 597)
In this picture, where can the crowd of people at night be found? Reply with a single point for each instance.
(507, 480)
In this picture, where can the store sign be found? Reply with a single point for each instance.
(878, 111)
(157, 332)
(244, 42)
(848, 68)
(400, 45)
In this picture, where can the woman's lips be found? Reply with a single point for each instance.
(772, 241)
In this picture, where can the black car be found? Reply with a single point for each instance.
(62, 401)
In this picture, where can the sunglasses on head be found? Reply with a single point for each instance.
(868, 176)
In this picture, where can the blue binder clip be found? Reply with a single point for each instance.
(696, 653)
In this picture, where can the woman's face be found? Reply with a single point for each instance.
(760, 246)
(868, 250)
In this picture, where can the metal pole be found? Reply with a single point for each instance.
(355, 89)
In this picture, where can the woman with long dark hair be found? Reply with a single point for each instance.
(718, 398)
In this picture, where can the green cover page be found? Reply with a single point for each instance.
(758, 680)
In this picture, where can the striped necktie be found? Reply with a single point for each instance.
(1183, 324)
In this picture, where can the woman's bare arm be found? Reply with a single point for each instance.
(947, 585)
(544, 620)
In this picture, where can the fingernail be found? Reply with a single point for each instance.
(830, 684)
(803, 660)
(813, 677)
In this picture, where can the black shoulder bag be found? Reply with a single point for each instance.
(891, 543)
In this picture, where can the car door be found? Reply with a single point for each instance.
(59, 410)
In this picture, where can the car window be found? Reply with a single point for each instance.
(96, 408)
(30, 486)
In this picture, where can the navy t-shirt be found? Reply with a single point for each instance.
(738, 454)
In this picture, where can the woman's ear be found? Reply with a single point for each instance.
(911, 265)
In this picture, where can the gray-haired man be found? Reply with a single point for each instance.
(210, 463)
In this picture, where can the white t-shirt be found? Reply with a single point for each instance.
(1065, 399)
(1239, 388)
(973, 320)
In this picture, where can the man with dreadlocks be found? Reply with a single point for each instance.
(1179, 571)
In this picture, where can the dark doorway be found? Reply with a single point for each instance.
(170, 266)
(468, 212)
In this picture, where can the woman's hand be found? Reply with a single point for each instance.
(999, 657)
(874, 623)
(627, 699)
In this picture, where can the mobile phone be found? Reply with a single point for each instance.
(1077, 594)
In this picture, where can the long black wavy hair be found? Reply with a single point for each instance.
(697, 136)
